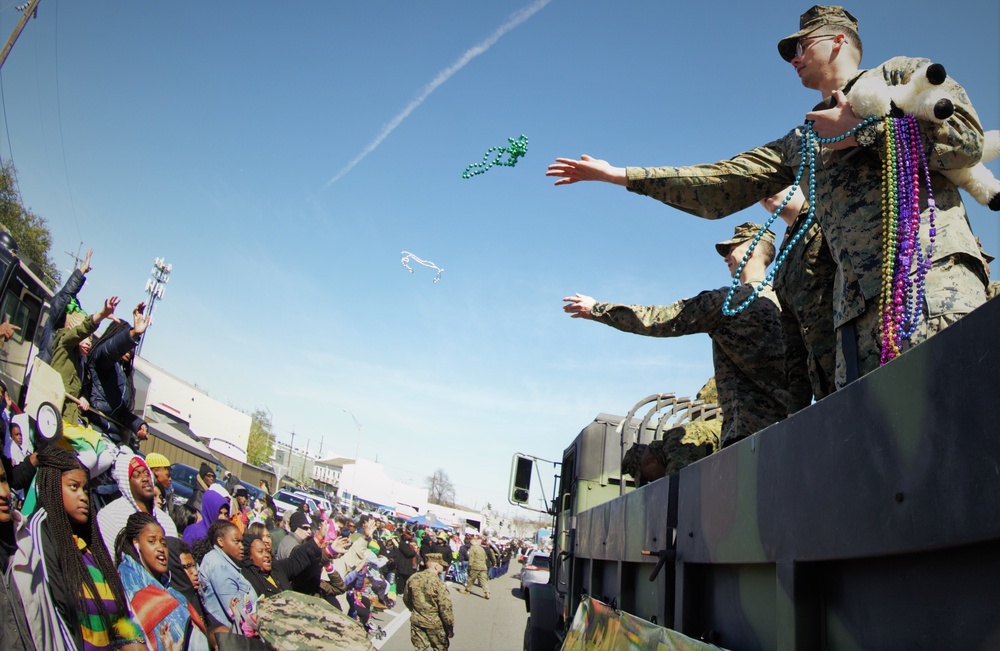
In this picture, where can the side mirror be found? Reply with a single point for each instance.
(521, 485)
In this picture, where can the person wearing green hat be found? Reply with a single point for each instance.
(747, 349)
(826, 53)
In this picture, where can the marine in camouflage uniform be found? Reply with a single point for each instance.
(747, 349)
(680, 447)
(432, 622)
(804, 285)
(478, 567)
(848, 194)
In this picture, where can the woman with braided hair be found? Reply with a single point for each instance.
(161, 611)
(73, 597)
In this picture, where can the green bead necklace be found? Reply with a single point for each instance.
(517, 149)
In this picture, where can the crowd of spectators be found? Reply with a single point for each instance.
(97, 551)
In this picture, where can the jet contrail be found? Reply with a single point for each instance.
(443, 76)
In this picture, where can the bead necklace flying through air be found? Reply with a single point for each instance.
(407, 256)
(902, 296)
(517, 149)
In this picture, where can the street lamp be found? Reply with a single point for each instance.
(155, 287)
(357, 451)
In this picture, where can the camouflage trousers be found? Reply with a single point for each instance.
(428, 638)
(859, 340)
(480, 576)
(683, 445)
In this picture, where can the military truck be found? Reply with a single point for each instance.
(870, 520)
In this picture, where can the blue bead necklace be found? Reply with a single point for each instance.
(810, 144)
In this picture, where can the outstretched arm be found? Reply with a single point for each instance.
(587, 168)
(579, 306)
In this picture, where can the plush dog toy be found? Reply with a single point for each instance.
(923, 97)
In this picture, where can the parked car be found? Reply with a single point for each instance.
(183, 479)
(288, 501)
(322, 502)
(535, 571)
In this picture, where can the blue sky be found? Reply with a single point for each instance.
(282, 157)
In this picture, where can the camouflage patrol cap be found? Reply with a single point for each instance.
(742, 233)
(817, 16)
(630, 462)
(435, 557)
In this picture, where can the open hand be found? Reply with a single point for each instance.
(586, 169)
(832, 122)
(109, 307)
(579, 306)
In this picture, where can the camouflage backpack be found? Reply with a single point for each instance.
(292, 621)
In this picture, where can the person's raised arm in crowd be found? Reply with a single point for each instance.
(58, 305)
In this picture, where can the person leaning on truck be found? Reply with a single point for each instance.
(747, 349)
(680, 447)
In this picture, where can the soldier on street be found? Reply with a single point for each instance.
(432, 623)
(478, 567)
(826, 55)
(747, 349)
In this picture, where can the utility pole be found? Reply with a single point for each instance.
(76, 258)
(30, 11)
(302, 473)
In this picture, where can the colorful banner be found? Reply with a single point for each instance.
(598, 627)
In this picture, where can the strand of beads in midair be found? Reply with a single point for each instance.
(517, 149)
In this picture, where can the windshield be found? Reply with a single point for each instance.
(539, 561)
(289, 498)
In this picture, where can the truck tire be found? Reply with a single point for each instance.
(540, 630)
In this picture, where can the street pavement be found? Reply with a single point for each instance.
(480, 625)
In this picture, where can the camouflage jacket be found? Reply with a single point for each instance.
(477, 558)
(747, 350)
(804, 285)
(848, 197)
(429, 601)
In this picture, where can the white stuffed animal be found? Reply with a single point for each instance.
(923, 97)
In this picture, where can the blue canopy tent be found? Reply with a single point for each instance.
(431, 522)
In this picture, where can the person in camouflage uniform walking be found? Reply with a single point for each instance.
(804, 285)
(478, 567)
(432, 622)
(747, 349)
(826, 54)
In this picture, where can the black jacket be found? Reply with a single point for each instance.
(404, 559)
(14, 633)
(110, 392)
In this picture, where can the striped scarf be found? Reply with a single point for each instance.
(96, 634)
